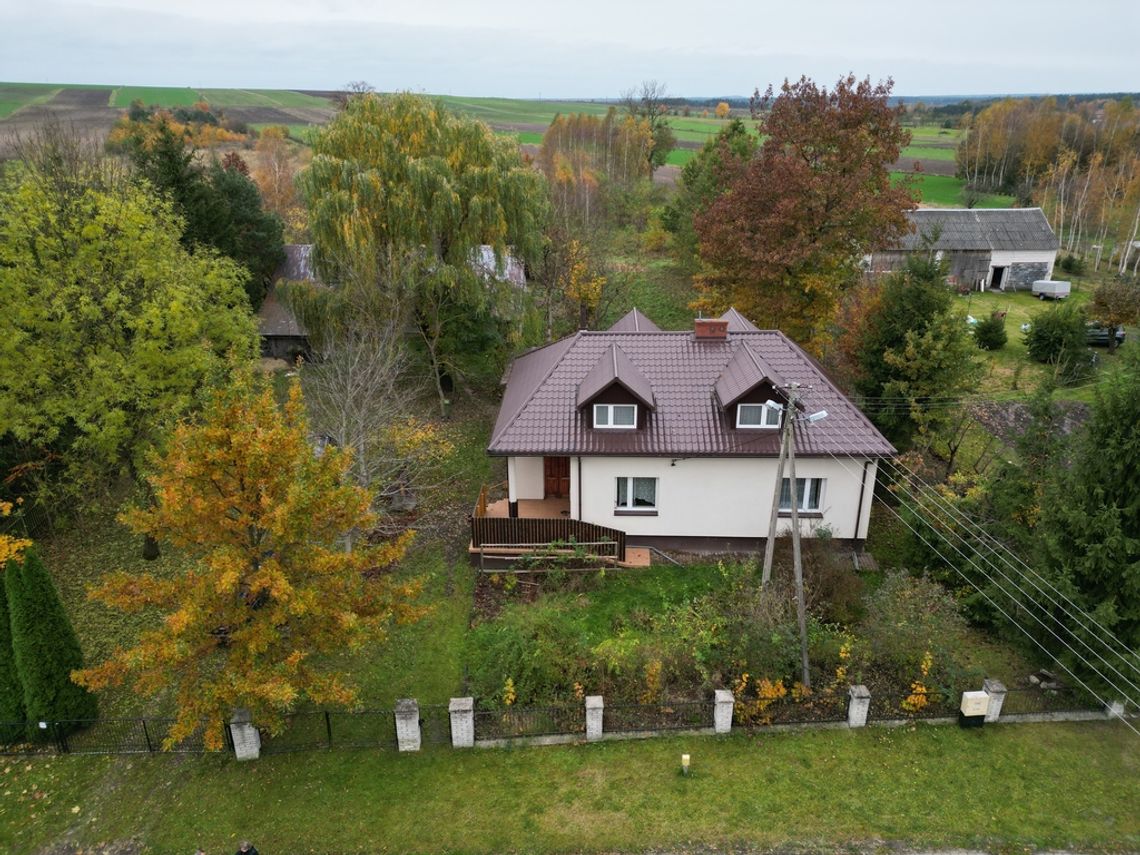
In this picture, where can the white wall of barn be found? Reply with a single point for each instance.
(1006, 257)
(720, 497)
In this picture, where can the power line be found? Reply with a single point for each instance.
(1004, 553)
(981, 591)
(1029, 597)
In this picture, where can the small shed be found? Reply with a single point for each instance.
(989, 248)
(282, 335)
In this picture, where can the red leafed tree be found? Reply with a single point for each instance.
(787, 236)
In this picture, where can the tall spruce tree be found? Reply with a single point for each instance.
(44, 646)
(11, 689)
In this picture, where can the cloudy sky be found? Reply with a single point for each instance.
(589, 48)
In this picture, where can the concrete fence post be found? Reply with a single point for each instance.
(594, 708)
(996, 690)
(247, 739)
(408, 724)
(722, 711)
(1114, 709)
(858, 705)
(462, 712)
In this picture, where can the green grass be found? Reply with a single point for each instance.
(1009, 370)
(680, 156)
(283, 98)
(163, 96)
(1003, 788)
(529, 137)
(947, 191)
(301, 133)
(13, 96)
(925, 152)
(656, 284)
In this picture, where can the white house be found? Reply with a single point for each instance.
(668, 439)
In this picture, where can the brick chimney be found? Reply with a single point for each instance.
(710, 329)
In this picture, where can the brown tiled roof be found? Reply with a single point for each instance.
(614, 367)
(744, 372)
(634, 321)
(737, 322)
(539, 417)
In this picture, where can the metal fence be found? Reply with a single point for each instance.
(99, 736)
(888, 706)
(818, 708)
(310, 731)
(513, 722)
(1036, 700)
(634, 718)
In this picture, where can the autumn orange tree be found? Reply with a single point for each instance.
(786, 237)
(273, 587)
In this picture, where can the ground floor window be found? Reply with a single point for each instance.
(636, 494)
(809, 492)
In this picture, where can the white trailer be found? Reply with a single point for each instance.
(1051, 289)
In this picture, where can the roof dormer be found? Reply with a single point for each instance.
(618, 394)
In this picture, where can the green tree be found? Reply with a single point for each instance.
(11, 689)
(44, 646)
(274, 590)
(914, 352)
(110, 327)
(1090, 524)
(703, 179)
(1058, 337)
(401, 195)
(220, 207)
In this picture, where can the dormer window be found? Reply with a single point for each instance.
(615, 415)
(758, 415)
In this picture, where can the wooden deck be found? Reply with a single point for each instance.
(531, 509)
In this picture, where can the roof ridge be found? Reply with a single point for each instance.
(569, 346)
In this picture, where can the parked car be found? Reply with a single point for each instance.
(1051, 289)
(1097, 334)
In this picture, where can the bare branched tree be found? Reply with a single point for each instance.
(648, 103)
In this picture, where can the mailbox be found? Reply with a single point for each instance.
(972, 712)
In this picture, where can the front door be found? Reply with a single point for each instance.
(998, 278)
(556, 477)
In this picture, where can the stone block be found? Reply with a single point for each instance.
(858, 705)
(408, 724)
(246, 738)
(594, 710)
(462, 712)
(723, 702)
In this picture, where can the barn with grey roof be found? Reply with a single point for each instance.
(1000, 248)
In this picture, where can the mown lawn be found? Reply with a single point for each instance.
(1003, 788)
(946, 191)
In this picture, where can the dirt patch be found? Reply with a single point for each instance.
(280, 115)
(667, 176)
(928, 167)
(1007, 420)
(493, 591)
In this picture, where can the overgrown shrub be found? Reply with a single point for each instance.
(44, 646)
(907, 618)
(990, 334)
(1072, 264)
(1057, 337)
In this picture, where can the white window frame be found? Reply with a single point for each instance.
(609, 409)
(771, 420)
(804, 496)
(632, 508)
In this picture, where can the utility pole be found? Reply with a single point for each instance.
(773, 520)
(788, 454)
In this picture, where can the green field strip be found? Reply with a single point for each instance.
(15, 96)
(163, 96)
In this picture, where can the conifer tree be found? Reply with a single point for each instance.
(11, 690)
(44, 645)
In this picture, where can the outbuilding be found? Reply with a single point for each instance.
(1004, 249)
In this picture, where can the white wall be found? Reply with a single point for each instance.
(722, 497)
(525, 478)
(1006, 257)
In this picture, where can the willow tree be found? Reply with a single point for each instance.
(401, 195)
